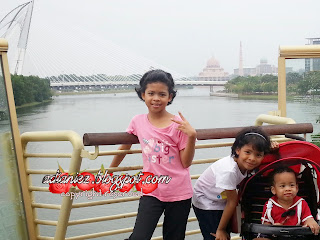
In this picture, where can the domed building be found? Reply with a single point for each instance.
(213, 72)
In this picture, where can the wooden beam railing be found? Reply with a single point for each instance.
(96, 139)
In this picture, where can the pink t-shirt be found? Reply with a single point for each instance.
(161, 156)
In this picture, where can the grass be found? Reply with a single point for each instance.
(258, 97)
(33, 104)
(262, 97)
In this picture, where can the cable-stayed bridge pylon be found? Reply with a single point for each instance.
(18, 19)
(71, 56)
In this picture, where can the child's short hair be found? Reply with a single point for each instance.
(153, 76)
(278, 170)
(255, 136)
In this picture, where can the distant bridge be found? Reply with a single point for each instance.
(108, 84)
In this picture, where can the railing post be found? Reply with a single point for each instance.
(32, 232)
(66, 204)
(282, 94)
(264, 118)
(74, 167)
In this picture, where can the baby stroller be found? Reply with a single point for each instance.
(304, 159)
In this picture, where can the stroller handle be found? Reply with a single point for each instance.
(295, 137)
(276, 230)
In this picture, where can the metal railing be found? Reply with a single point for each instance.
(74, 159)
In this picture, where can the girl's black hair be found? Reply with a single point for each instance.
(255, 136)
(153, 76)
(278, 170)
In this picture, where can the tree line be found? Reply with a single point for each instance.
(301, 84)
(28, 89)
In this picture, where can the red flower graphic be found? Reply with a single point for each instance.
(146, 187)
(87, 177)
(104, 187)
(60, 187)
(127, 186)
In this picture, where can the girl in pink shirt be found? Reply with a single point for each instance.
(168, 144)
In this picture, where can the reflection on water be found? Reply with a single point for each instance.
(109, 113)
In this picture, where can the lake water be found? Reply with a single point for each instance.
(112, 113)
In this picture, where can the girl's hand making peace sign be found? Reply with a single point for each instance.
(185, 126)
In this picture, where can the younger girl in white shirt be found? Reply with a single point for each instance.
(215, 196)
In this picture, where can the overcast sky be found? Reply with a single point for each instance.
(180, 35)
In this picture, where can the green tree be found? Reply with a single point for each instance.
(303, 86)
(18, 90)
(293, 78)
(313, 78)
(250, 84)
(269, 79)
(28, 89)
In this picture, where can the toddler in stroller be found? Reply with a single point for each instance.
(303, 158)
